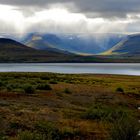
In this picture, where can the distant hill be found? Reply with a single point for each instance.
(128, 46)
(39, 43)
(76, 43)
(10, 45)
(13, 51)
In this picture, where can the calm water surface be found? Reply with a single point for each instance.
(94, 68)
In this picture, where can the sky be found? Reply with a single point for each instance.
(69, 16)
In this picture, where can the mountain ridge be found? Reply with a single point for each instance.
(75, 43)
(128, 46)
(13, 51)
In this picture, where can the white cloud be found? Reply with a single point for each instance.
(59, 19)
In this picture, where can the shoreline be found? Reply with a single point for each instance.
(68, 74)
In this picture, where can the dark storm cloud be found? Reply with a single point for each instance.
(92, 8)
(84, 16)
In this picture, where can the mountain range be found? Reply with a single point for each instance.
(13, 51)
(36, 47)
(75, 43)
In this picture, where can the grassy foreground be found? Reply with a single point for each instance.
(47, 106)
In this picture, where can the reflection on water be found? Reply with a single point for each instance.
(94, 68)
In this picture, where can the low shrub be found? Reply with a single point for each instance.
(45, 78)
(66, 90)
(125, 129)
(48, 129)
(51, 132)
(17, 125)
(95, 113)
(53, 82)
(3, 137)
(44, 87)
(106, 113)
(1, 83)
(119, 89)
(71, 134)
(9, 88)
(29, 89)
(27, 135)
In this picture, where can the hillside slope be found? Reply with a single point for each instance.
(13, 51)
(12, 46)
(128, 46)
(37, 42)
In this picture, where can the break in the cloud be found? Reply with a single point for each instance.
(75, 16)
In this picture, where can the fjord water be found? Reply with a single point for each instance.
(74, 68)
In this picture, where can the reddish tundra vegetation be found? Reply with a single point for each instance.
(47, 106)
